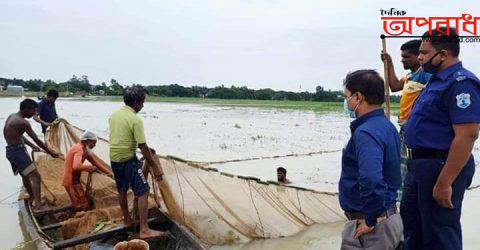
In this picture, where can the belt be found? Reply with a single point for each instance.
(413, 154)
(15, 146)
(359, 215)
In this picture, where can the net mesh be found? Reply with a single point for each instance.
(102, 189)
(220, 208)
(216, 207)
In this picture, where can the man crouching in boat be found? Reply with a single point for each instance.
(126, 135)
(17, 154)
(370, 168)
(74, 166)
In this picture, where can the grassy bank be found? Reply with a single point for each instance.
(292, 105)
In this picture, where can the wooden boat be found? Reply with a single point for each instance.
(44, 228)
(47, 228)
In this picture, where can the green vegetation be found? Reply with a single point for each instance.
(320, 101)
(293, 105)
(81, 86)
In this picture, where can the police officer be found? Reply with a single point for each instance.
(440, 134)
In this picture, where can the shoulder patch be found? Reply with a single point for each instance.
(460, 78)
(464, 74)
(463, 100)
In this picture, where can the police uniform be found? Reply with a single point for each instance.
(451, 97)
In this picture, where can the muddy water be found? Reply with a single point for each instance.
(208, 133)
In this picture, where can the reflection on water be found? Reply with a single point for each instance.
(318, 237)
(28, 242)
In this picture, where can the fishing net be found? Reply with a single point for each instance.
(101, 189)
(96, 220)
(221, 209)
(61, 137)
(218, 208)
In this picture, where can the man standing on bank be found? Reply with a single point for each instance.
(411, 85)
(370, 168)
(440, 135)
(126, 135)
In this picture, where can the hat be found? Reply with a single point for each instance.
(87, 135)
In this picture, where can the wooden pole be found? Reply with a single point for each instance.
(387, 84)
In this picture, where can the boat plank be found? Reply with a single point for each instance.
(92, 237)
(53, 211)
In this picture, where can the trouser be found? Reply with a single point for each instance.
(403, 160)
(20, 159)
(386, 235)
(129, 174)
(78, 197)
(427, 225)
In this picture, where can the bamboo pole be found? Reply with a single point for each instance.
(387, 82)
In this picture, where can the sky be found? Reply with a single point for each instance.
(278, 44)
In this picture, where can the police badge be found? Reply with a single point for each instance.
(463, 100)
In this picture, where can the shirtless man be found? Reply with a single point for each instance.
(15, 126)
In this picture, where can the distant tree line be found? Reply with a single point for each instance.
(82, 86)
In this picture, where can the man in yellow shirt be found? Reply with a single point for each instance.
(126, 135)
(412, 83)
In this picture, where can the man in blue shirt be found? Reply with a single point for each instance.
(46, 110)
(370, 168)
(440, 135)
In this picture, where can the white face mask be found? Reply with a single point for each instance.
(89, 150)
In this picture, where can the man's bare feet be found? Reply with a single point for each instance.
(127, 222)
(40, 209)
(43, 202)
(150, 233)
(25, 196)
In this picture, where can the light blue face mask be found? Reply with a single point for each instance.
(347, 111)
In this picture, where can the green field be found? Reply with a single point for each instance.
(293, 105)
(289, 105)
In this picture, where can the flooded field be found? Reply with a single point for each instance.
(308, 144)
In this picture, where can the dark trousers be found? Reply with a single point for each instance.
(426, 224)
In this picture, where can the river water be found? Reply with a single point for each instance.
(307, 144)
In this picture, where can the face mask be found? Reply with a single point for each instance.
(350, 113)
(89, 150)
(429, 67)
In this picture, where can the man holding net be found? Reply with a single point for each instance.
(15, 126)
(47, 112)
(74, 165)
(126, 135)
